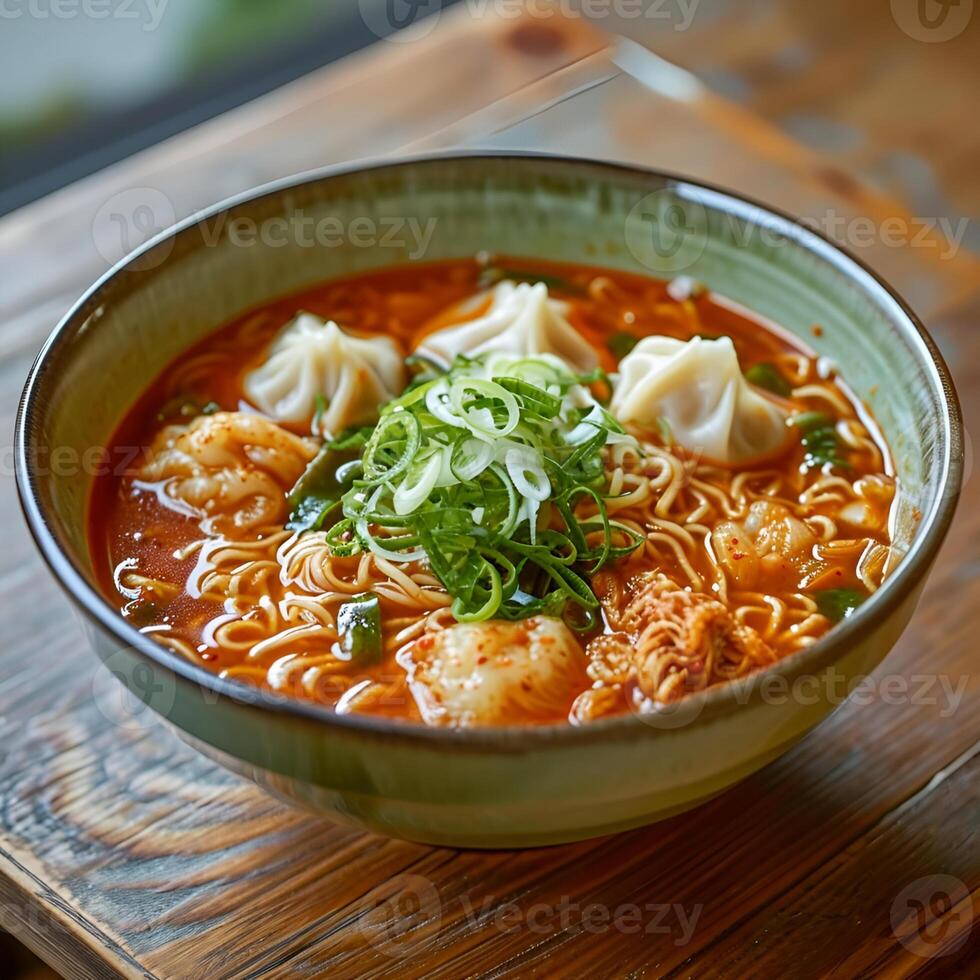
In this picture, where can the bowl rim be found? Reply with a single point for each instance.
(703, 705)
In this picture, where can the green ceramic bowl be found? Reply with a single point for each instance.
(489, 787)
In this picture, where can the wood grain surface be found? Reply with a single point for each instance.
(877, 93)
(125, 853)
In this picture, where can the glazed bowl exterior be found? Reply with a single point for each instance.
(490, 787)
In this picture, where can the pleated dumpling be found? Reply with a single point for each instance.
(698, 389)
(521, 319)
(310, 358)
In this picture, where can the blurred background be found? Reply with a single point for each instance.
(84, 83)
(80, 89)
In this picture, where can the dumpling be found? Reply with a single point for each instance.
(521, 319)
(231, 469)
(698, 388)
(495, 673)
(772, 545)
(309, 358)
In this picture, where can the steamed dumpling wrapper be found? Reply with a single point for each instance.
(311, 358)
(697, 386)
(521, 320)
(494, 672)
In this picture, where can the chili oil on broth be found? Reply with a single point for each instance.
(773, 551)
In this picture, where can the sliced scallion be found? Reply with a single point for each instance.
(493, 474)
(359, 629)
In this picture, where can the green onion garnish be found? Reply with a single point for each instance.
(767, 376)
(493, 274)
(317, 494)
(838, 604)
(322, 405)
(621, 343)
(359, 629)
(820, 440)
(142, 612)
(481, 472)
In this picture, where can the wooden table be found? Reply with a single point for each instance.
(123, 852)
